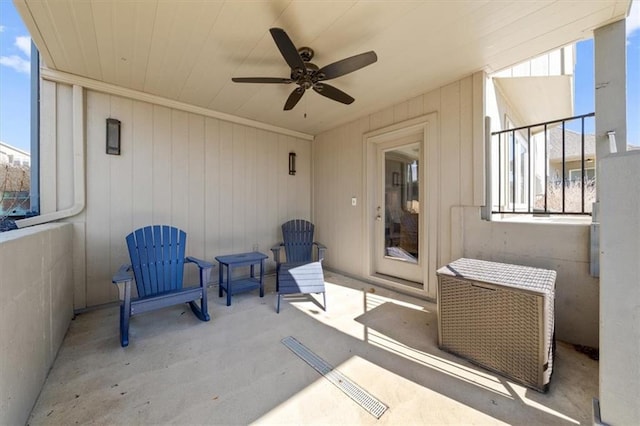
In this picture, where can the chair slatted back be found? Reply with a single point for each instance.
(297, 236)
(157, 258)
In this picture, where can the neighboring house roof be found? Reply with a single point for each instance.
(13, 155)
(572, 145)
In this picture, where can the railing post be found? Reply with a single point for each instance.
(513, 169)
(582, 158)
(564, 164)
(499, 171)
(529, 168)
(546, 168)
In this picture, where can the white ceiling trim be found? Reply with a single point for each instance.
(99, 86)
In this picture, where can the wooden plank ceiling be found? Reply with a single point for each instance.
(189, 50)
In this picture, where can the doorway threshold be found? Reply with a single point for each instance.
(400, 281)
(409, 288)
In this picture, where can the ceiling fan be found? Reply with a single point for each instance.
(306, 74)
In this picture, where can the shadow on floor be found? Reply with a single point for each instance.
(235, 370)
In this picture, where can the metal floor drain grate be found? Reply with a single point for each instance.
(355, 392)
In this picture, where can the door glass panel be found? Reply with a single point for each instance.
(402, 203)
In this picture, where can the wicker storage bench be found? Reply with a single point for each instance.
(500, 317)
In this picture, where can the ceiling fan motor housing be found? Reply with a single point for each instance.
(306, 53)
(308, 77)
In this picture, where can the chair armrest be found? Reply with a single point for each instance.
(124, 274)
(276, 252)
(202, 264)
(205, 269)
(123, 279)
(321, 250)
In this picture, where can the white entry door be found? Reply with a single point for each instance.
(401, 215)
(398, 235)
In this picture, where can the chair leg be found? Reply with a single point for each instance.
(125, 314)
(324, 298)
(278, 308)
(201, 314)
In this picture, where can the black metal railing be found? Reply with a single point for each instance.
(534, 174)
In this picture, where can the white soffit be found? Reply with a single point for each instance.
(538, 99)
(188, 51)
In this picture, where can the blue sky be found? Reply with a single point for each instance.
(15, 80)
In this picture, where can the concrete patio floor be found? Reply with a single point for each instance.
(235, 370)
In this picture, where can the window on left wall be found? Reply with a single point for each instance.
(19, 120)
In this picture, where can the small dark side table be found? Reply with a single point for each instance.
(238, 285)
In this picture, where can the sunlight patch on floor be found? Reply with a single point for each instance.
(371, 302)
(520, 393)
(357, 327)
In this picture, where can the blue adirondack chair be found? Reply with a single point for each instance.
(299, 273)
(157, 266)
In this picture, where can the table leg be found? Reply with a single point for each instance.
(228, 285)
(261, 277)
(220, 267)
(252, 274)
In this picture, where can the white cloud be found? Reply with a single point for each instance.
(633, 20)
(24, 44)
(2, 27)
(17, 63)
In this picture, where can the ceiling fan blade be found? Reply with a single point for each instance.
(347, 65)
(294, 97)
(333, 93)
(261, 80)
(287, 48)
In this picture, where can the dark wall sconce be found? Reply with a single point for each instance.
(292, 163)
(113, 136)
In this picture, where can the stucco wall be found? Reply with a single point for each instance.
(620, 278)
(36, 306)
(563, 247)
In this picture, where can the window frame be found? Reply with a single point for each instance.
(34, 190)
(34, 154)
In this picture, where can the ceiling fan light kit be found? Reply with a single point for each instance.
(307, 75)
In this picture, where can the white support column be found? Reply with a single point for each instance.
(620, 289)
(619, 199)
(610, 80)
(611, 119)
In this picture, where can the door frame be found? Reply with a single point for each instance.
(428, 126)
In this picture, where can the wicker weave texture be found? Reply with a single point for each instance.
(501, 328)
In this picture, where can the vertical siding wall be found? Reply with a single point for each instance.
(226, 185)
(338, 160)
